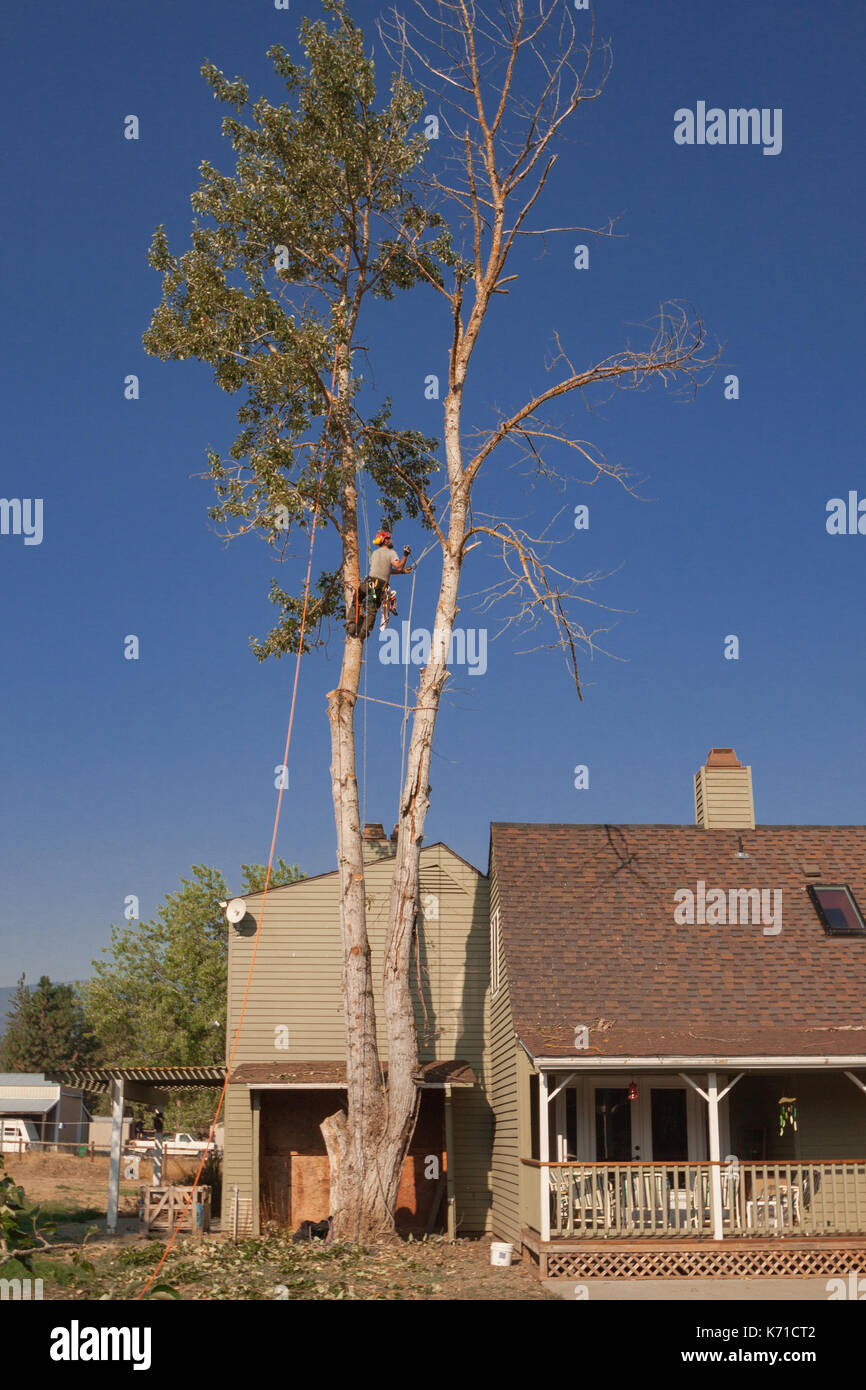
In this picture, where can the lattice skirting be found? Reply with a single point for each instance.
(703, 1263)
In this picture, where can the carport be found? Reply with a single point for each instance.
(150, 1086)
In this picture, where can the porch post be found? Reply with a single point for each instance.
(544, 1154)
(255, 1197)
(715, 1155)
(116, 1146)
(451, 1209)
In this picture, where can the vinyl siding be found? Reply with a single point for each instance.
(505, 1178)
(238, 1160)
(724, 798)
(296, 987)
(831, 1120)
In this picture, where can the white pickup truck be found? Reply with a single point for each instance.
(179, 1143)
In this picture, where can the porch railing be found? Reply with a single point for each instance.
(798, 1198)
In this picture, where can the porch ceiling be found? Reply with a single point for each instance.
(696, 1063)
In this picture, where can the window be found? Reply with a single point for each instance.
(494, 955)
(837, 909)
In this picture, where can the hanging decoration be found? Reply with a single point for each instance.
(632, 1091)
(787, 1113)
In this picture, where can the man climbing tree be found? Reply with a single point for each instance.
(371, 591)
(326, 209)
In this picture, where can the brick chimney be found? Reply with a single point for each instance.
(376, 843)
(723, 793)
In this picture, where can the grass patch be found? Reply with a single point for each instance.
(65, 1211)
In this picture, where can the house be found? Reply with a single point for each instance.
(643, 1047)
(677, 1062)
(288, 1073)
(57, 1110)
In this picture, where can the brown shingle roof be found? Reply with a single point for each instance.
(588, 930)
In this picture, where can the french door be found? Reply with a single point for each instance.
(593, 1120)
(662, 1124)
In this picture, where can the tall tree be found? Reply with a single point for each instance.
(47, 1029)
(325, 210)
(320, 217)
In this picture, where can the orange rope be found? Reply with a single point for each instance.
(195, 1185)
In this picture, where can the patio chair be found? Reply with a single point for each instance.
(731, 1197)
(559, 1183)
(699, 1202)
(592, 1202)
(777, 1207)
(644, 1200)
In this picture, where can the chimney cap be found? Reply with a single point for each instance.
(722, 757)
(374, 831)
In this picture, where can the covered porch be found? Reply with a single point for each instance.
(678, 1151)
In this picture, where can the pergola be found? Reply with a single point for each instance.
(144, 1085)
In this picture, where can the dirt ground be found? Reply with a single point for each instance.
(68, 1181)
(271, 1268)
(73, 1190)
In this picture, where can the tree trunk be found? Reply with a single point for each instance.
(353, 1137)
(367, 1145)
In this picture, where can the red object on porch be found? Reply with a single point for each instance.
(632, 1091)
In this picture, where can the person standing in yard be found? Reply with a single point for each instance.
(383, 563)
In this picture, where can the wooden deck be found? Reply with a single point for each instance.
(698, 1258)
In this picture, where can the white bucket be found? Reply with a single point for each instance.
(501, 1253)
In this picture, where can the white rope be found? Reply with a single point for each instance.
(406, 682)
(363, 496)
(406, 695)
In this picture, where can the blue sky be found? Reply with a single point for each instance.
(118, 775)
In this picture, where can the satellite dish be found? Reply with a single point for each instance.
(236, 910)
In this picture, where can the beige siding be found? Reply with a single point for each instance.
(530, 1207)
(503, 1091)
(831, 1121)
(724, 799)
(296, 987)
(238, 1160)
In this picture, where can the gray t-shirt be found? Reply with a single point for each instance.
(381, 561)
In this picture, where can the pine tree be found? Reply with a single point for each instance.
(47, 1029)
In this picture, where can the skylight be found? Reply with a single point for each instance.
(837, 909)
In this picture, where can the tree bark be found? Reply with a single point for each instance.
(353, 1137)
